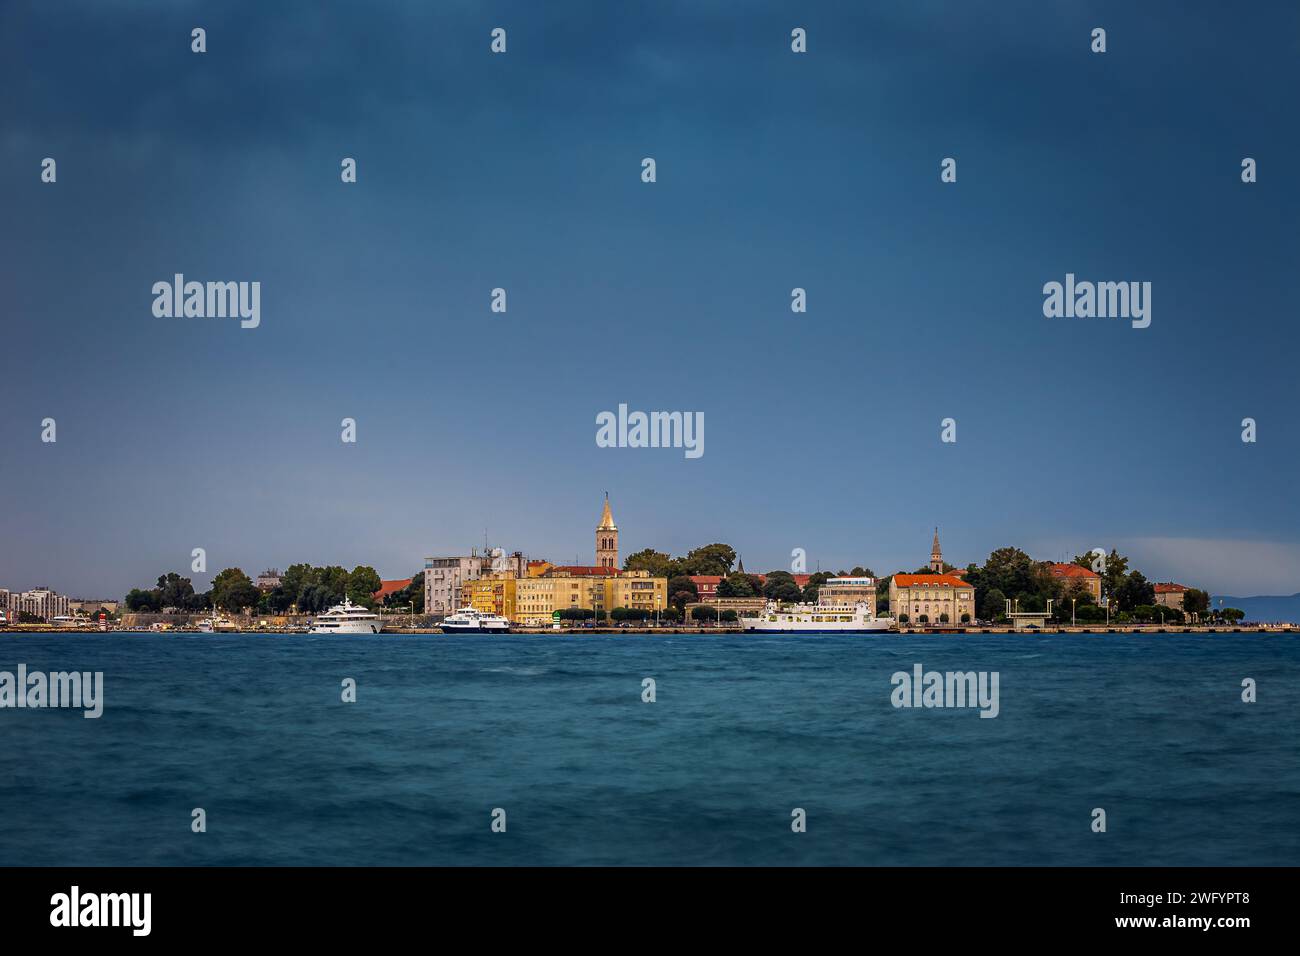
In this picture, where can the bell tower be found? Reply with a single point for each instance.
(936, 556)
(607, 539)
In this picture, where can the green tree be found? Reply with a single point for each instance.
(735, 586)
(174, 591)
(994, 605)
(1196, 601)
(682, 591)
(780, 586)
(1010, 571)
(647, 559)
(363, 582)
(141, 602)
(232, 590)
(710, 559)
(1113, 574)
(1134, 591)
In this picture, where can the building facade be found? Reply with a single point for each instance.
(931, 599)
(1169, 594)
(532, 602)
(1075, 574)
(706, 585)
(443, 578)
(848, 591)
(269, 580)
(41, 603)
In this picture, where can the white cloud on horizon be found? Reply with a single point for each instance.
(1237, 567)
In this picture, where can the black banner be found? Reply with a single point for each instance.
(338, 905)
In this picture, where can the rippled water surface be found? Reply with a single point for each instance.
(553, 730)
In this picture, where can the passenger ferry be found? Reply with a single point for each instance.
(346, 618)
(818, 619)
(471, 621)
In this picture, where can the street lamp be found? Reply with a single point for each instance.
(1073, 601)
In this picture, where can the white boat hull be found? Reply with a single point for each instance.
(868, 627)
(474, 628)
(346, 627)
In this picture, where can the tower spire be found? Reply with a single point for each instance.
(936, 555)
(607, 539)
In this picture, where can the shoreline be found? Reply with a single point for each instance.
(698, 631)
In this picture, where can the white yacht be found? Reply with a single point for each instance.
(346, 618)
(818, 619)
(468, 620)
(216, 622)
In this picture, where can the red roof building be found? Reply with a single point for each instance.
(928, 581)
(388, 587)
(1077, 573)
(707, 585)
(1169, 594)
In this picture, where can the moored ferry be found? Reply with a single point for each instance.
(346, 618)
(468, 620)
(818, 619)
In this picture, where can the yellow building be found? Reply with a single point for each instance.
(490, 595)
(931, 599)
(596, 589)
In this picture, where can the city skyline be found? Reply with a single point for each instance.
(523, 171)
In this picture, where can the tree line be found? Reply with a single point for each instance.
(1008, 573)
(303, 589)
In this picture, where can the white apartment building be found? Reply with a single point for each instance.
(444, 576)
(39, 602)
(848, 591)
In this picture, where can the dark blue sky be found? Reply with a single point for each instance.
(523, 171)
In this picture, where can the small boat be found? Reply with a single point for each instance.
(346, 618)
(469, 620)
(217, 622)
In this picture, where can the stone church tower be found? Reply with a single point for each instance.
(936, 556)
(607, 539)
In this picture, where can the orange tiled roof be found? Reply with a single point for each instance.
(1072, 571)
(930, 581)
(706, 578)
(388, 587)
(1169, 588)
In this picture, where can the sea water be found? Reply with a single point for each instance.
(553, 736)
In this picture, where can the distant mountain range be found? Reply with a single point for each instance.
(1264, 608)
